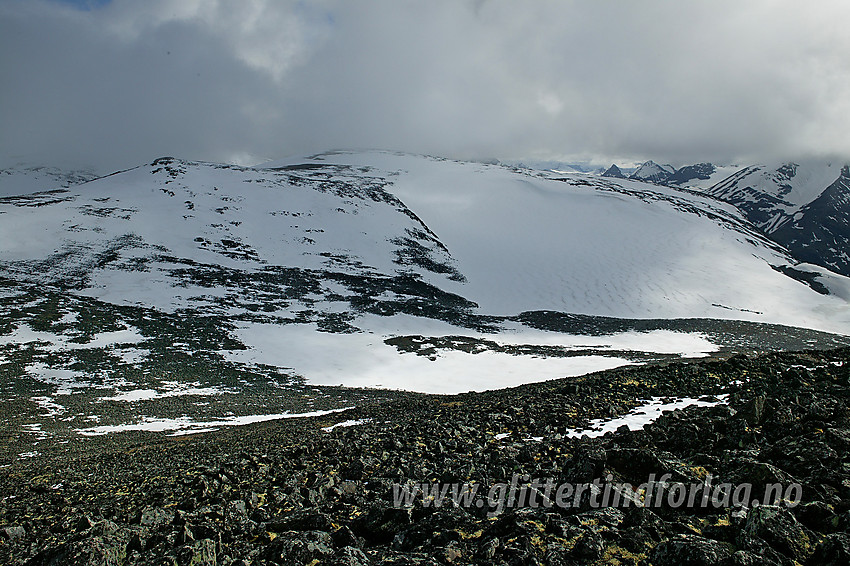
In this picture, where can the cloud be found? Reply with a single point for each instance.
(127, 81)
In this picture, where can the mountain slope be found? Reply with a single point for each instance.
(181, 235)
(369, 228)
(697, 176)
(180, 295)
(802, 206)
(685, 176)
(651, 172)
(820, 231)
(582, 244)
(21, 180)
(614, 172)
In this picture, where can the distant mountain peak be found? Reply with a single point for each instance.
(614, 171)
(653, 172)
(702, 171)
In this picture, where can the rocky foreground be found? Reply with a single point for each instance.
(289, 492)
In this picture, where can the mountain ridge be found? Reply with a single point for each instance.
(225, 234)
(802, 206)
(182, 296)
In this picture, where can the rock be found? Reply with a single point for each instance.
(641, 529)
(343, 537)
(235, 511)
(299, 547)
(691, 550)
(779, 529)
(349, 556)
(107, 528)
(381, 523)
(639, 464)
(188, 504)
(744, 558)
(588, 463)
(155, 516)
(301, 520)
(589, 545)
(85, 523)
(199, 553)
(754, 411)
(610, 517)
(488, 550)
(137, 543)
(90, 551)
(13, 532)
(722, 530)
(834, 550)
(844, 521)
(255, 499)
(185, 535)
(452, 553)
(817, 515)
(761, 474)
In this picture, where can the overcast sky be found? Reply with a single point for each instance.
(118, 83)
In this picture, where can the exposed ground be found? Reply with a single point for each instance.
(289, 492)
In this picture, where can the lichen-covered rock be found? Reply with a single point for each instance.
(13, 532)
(349, 556)
(155, 516)
(817, 515)
(690, 549)
(834, 550)
(198, 553)
(288, 492)
(779, 529)
(299, 547)
(97, 550)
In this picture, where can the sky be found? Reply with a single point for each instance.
(117, 83)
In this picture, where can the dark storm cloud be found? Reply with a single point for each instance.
(674, 81)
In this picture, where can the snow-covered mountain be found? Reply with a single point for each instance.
(378, 253)
(802, 206)
(652, 172)
(180, 235)
(685, 176)
(180, 278)
(697, 176)
(614, 172)
(176, 235)
(25, 179)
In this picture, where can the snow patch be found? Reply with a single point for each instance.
(173, 389)
(364, 360)
(345, 424)
(642, 415)
(23, 334)
(50, 408)
(186, 425)
(35, 428)
(69, 318)
(65, 380)
(132, 356)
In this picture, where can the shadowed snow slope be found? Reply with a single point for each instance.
(804, 207)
